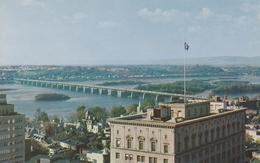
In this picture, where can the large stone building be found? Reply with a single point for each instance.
(12, 133)
(175, 132)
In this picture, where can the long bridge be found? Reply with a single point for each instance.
(104, 90)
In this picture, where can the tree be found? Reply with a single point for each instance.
(43, 117)
(116, 111)
(249, 138)
(98, 112)
(81, 111)
(257, 104)
(256, 119)
(37, 114)
(49, 129)
(148, 103)
(131, 108)
(71, 117)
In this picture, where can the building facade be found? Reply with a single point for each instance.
(191, 134)
(12, 133)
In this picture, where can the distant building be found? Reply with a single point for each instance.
(178, 132)
(12, 134)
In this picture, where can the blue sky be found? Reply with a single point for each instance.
(98, 32)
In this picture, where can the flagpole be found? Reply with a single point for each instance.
(184, 91)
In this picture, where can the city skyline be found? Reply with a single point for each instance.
(125, 32)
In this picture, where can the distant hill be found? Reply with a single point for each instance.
(218, 61)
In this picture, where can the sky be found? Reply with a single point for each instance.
(119, 32)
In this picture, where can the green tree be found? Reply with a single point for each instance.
(81, 110)
(98, 112)
(257, 104)
(37, 114)
(69, 155)
(49, 129)
(148, 103)
(249, 138)
(256, 119)
(116, 111)
(43, 117)
(131, 108)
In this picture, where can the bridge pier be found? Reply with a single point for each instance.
(159, 98)
(122, 93)
(102, 91)
(135, 95)
(94, 90)
(111, 92)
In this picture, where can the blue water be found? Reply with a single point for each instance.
(23, 97)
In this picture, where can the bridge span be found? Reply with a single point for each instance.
(104, 90)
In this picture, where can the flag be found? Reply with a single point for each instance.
(186, 46)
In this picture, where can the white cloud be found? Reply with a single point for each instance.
(197, 29)
(223, 17)
(159, 15)
(108, 24)
(241, 20)
(246, 7)
(32, 3)
(204, 14)
(76, 18)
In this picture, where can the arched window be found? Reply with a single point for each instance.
(228, 129)
(218, 133)
(212, 132)
(223, 130)
(233, 128)
(129, 141)
(206, 134)
(186, 143)
(193, 140)
(153, 144)
(199, 138)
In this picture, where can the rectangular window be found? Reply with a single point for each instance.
(155, 160)
(165, 148)
(142, 159)
(117, 143)
(165, 160)
(141, 145)
(138, 158)
(152, 146)
(117, 156)
(129, 143)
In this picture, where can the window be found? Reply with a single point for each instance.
(142, 159)
(152, 160)
(127, 157)
(129, 143)
(153, 146)
(223, 131)
(141, 145)
(193, 140)
(117, 155)
(165, 160)
(165, 136)
(199, 138)
(165, 148)
(186, 142)
(117, 131)
(131, 157)
(212, 135)
(206, 136)
(117, 143)
(138, 158)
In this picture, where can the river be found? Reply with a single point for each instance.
(23, 97)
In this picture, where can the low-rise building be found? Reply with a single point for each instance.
(179, 132)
